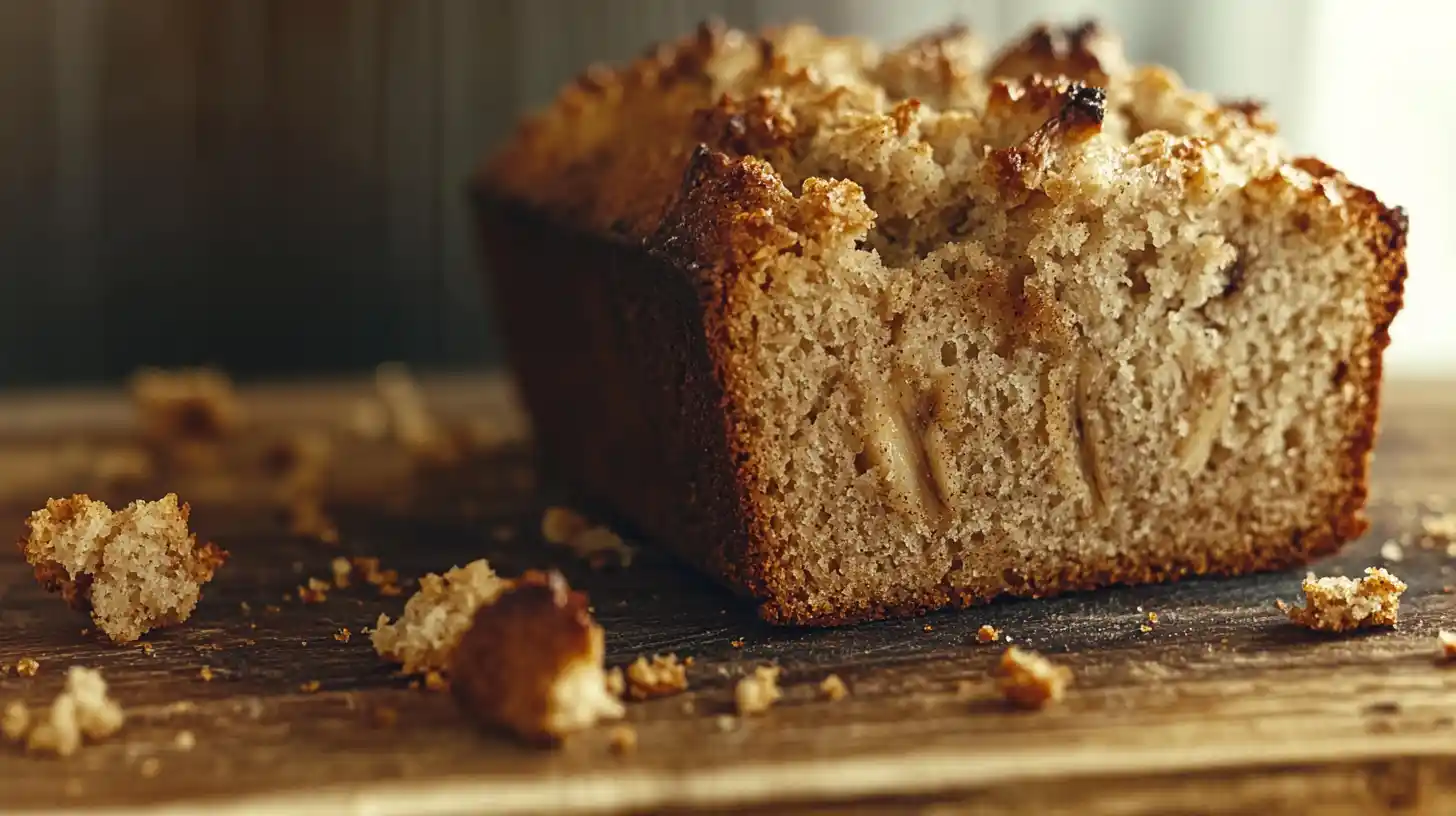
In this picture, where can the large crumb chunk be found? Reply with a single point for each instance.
(661, 676)
(135, 569)
(833, 689)
(1029, 680)
(532, 662)
(1339, 604)
(987, 634)
(425, 636)
(82, 711)
(757, 692)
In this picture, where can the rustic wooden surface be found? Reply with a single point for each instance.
(1223, 707)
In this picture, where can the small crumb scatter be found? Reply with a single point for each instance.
(151, 767)
(310, 687)
(929, 628)
(185, 741)
(27, 667)
(148, 650)
(833, 689)
(1340, 604)
(623, 739)
(726, 722)
(1028, 680)
(343, 635)
(205, 673)
(987, 634)
(434, 681)
(245, 608)
(736, 643)
(315, 592)
(661, 676)
(757, 692)
(1391, 551)
(598, 546)
(1152, 617)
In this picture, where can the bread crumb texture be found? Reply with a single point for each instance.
(532, 662)
(661, 676)
(1341, 604)
(1028, 680)
(81, 712)
(135, 569)
(971, 324)
(833, 689)
(757, 692)
(426, 635)
(987, 634)
(27, 666)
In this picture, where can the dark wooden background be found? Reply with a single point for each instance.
(276, 186)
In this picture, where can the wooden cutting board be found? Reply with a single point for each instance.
(1220, 707)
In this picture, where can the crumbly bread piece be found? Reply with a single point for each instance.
(1446, 644)
(532, 662)
(82, 711)
(1028, 680)
(757, 692)
(833, 689)
(135, 569)
(662, 676)
(436, 617)
(1339, 604)
(14, 721)
(889, 331)
(187, 413)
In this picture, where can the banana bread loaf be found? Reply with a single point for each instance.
(870, 333)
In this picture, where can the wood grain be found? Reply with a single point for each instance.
(1222, 708)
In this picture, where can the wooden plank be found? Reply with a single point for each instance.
(1222, 707)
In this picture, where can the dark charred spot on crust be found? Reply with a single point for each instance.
(1234, 276)
(1397, 221)
(1342, 371)
(1071, 52)
(1086, 106)
(745, 127)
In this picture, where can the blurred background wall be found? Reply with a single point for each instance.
(275, 186)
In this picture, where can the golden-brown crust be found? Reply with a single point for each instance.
(1085, 52)
(692, 256)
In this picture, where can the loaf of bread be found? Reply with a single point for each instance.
(869, 333)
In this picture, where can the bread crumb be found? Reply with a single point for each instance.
(434, 681)
(309, 687)
(386, 581)
(414, 425)
(1341, 604)
(185, 741)
(14, 721)
(929, 628)
(342, 570)
(82, 711)
(27, 666)
(307, 518)
(725, 722)
(343, 635)
(623, 739)
(153, 567)
(205, 673)
(662, 676)
(1028, 680)
(1442, 527)
(757, 692)
(597, 545)
(736, 643)
(188, 412)
(315, 592)
(1391, 551)
(434, 620)
(532, 662)
(1152, 617)
(987, 634)
(833, 689)
(299, 462)
(1144, 628)
(616, 681)
(151, 767)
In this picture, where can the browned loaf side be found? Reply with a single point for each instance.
(869, 333)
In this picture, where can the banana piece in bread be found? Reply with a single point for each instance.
(867, 333)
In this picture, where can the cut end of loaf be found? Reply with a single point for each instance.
(1042, 322)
